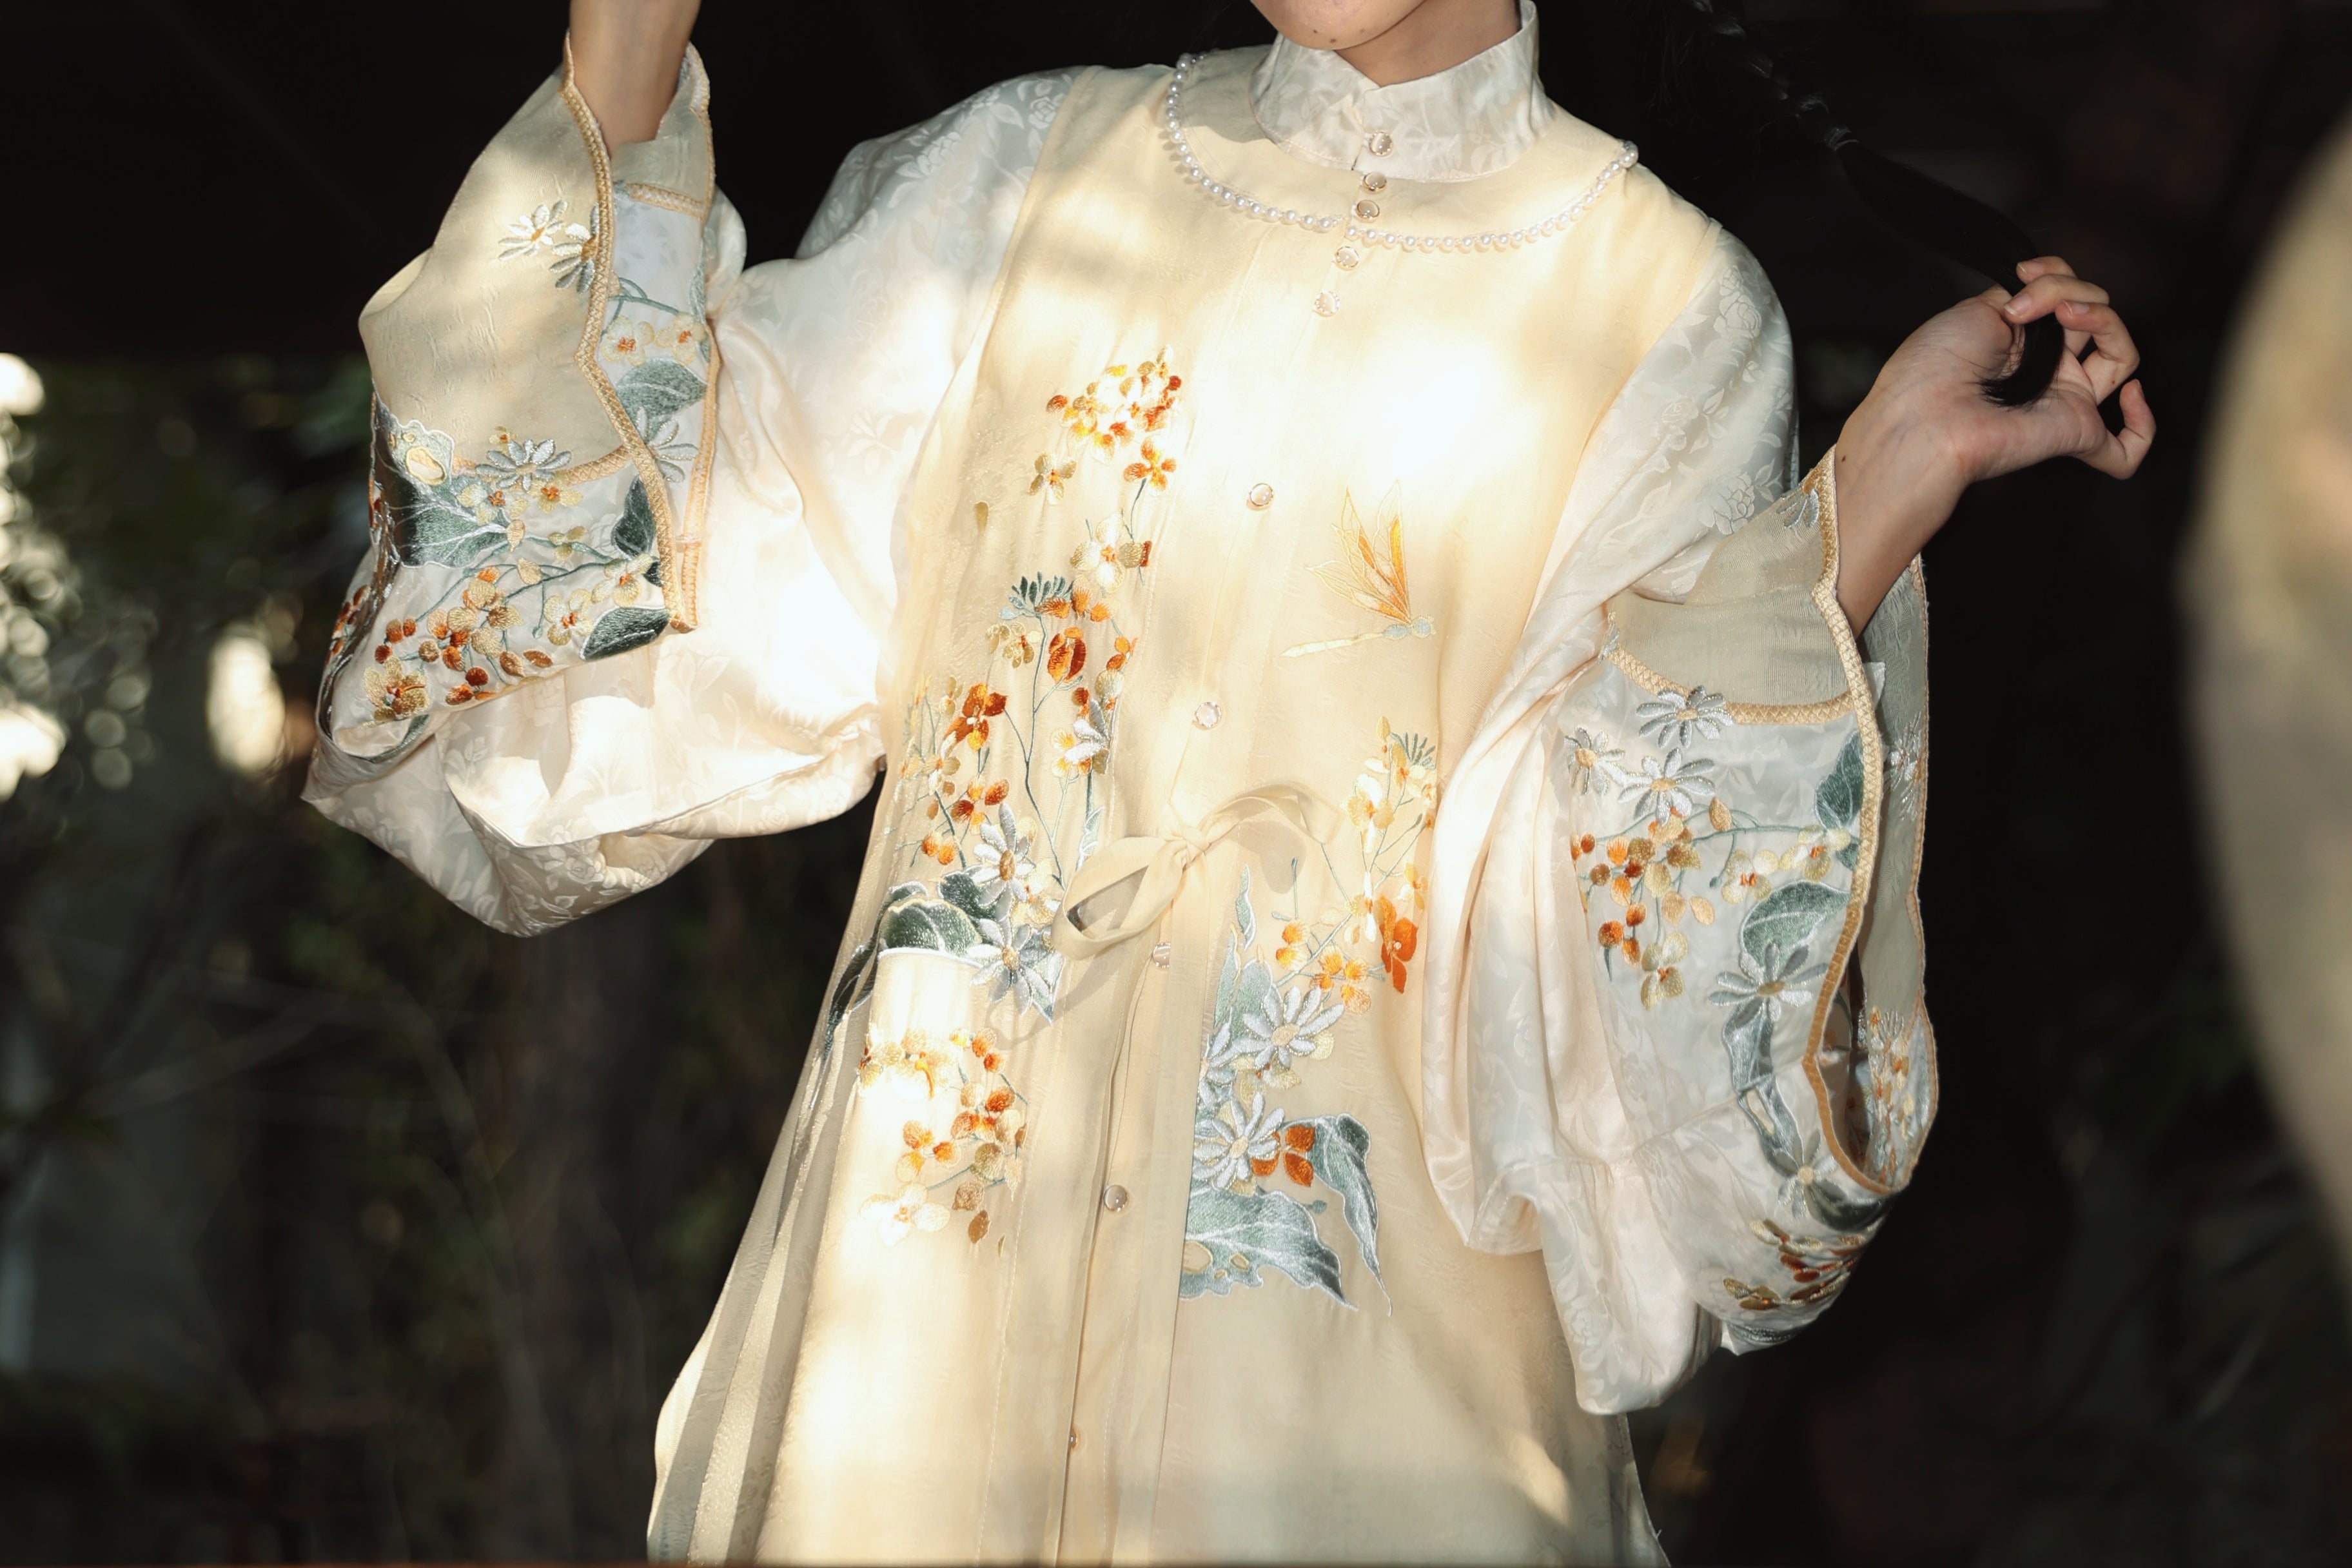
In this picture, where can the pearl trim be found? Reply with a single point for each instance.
(1559, 222)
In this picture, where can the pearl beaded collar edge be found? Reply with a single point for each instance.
(1559, 222)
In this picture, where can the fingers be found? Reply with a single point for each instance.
(2114, 358)
(2045, 293)
(2120, 455)
(2051, 293)
(2045, 265)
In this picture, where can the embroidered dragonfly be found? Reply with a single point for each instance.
(1361, 577)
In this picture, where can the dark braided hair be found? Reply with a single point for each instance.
(1925, 210)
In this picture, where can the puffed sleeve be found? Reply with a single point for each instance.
(633, 506)
(1676, 1037)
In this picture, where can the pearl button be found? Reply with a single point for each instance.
(1345, 257)
(1380, 144)
(1161, 954)
(1327, 303)
(1074, 1439)
(1114, 1197)
(1205, 716)
(1261, 496)
(1375, 182)
(1368, 209)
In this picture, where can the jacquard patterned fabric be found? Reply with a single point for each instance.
(572, 792)
(1250, 1119)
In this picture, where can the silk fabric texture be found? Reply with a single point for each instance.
(1211, 643)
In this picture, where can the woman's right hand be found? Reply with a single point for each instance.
(624, 59)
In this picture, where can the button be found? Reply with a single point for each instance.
(1368, 209)
(1074, 1439)
(1375, 182)
(1205, 716)
(1115, 1197)
(1380, 144)
(1327, 303)
(1159, 955)
(1345, 257)
(1261, 496)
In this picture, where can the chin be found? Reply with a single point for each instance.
(1334, 23)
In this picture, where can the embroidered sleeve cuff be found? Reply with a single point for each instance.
(1743, 781)
(544, 378)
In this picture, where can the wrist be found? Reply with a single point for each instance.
(625, 62)
(1898, 482)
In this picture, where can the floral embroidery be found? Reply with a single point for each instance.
(997, 768)
(530, 584)
(1270, 1020)
(1906, 766)
(664, 369)
(1675, 718)
(1362, 577)
(1652, 871)
(1817, 1268)
(910, 1210)
(570, 247)
(964, 1132)
(522, 589)
(1001, 793)
(1891, 1117)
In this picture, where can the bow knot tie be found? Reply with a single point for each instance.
(1158, 862)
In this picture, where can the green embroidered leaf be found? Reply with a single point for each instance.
(1245, 918)
(1245, 1232)
(1840, 1212)
(1256, 991)
(428, 527)
(624, 626)
(1031, 591)
(1787, 918)
(634, 535)
(657, 389)
(1837, 800)
(1775, 1130)
(1748, 1041)
(1228, 985)
(1341, 1146)
(856, 979)
(959, 889)
(927, 925)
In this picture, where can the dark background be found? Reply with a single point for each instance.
(334, 1226)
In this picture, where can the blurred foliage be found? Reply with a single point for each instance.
(337, 1225)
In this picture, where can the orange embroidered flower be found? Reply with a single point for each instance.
(1050, 477)
(1151, 468)
(1398, 938)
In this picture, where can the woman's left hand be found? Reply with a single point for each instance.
(1927, 431)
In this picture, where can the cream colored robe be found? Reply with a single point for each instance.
(1357, 979)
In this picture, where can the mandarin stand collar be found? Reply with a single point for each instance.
(1461, 124)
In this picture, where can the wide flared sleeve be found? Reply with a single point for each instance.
(1673, 1035)
(632, 507)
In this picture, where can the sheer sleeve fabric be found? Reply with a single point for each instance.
(1642, 1053)
(635, 506)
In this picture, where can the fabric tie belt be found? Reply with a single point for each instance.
(1161, 861)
